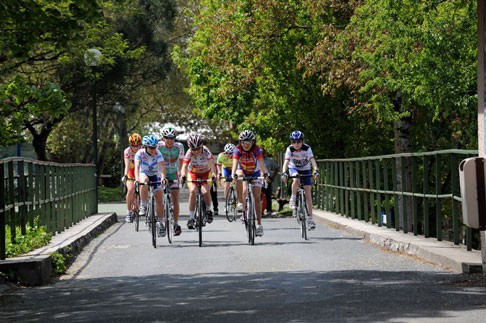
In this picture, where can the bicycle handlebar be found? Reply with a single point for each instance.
(301, 175)
(250, 178)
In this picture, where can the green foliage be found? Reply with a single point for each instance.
(61, 260)
(344, 72)
(35, 237)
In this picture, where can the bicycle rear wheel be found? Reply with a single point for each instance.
(229, 204)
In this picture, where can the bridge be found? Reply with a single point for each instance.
(360, 194)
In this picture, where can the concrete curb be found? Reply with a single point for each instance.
(444, 253)
(35, 268)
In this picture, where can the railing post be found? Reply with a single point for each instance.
(3, 234)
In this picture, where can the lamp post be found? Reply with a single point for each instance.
(92, 57)
(122, 131)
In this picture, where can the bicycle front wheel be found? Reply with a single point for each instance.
(136, 220)
(303, 216)
(251, 222)
(152, 223)
(169, 221)
(200, 219)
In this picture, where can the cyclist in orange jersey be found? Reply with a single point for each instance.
(128, 178)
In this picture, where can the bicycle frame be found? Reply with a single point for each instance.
(302, 213)
(249, 212)
(169, 213)
(151, 216)
(134, 205)
(200, 213)
(230, 203)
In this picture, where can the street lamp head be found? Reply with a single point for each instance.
(92, 57)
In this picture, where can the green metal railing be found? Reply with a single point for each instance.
(59, 194)
(414, 192)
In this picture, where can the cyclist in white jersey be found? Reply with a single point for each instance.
(173, 153)
(298, 160)
(149, 166)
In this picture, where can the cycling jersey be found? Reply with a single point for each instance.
(225, 161)
(172, 156)
(198, 164)
(299, 159)
(149, 164)
(248, 160)
(130, 154)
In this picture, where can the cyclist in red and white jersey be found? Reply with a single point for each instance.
(150, 166)
(298, 160)
(248, 161)
(129, 174)
(198, 163)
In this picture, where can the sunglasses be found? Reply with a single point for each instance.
(137, 146)
(247, 142)
(150, 147)
(296, 141)
(196, 149)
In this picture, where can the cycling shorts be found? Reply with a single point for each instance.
(307, 180)
(227, 174)
(155, 178)
(194, 176)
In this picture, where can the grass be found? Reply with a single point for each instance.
(108, 194)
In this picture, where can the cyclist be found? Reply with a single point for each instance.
(150, 166)
(248, 161)
(198, 163)
(298, 159)
(173, 153)
(224, 164)
(129, 174)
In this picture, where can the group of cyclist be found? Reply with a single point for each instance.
(149, 160)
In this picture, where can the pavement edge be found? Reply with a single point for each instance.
(443, 253)
(35, 268)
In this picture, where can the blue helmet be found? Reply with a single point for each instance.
(150, 141)
(297, 135)
(228, 148)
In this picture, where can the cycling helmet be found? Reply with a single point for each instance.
(135, 139)
(194, 141)
(247, 135)
(297, 135)
(169, 133)
(150, 141)
(228, 148)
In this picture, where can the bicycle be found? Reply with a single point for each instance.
(169, 213)
(230, 203)
(200, 212)
(134, 212)
(249, 211)
(150, 215)
(301, 212)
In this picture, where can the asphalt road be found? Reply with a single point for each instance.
(332, 277)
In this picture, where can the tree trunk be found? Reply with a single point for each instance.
(403, 165)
